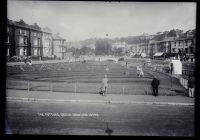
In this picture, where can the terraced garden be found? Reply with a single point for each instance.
(77, 77)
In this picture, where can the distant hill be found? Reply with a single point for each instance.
(144, 38)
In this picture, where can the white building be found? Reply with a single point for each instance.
(119, 45)
(59, 46)
(47, 42)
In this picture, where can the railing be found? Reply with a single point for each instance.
(183, 79)
(76, 87)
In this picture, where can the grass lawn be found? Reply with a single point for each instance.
(86, 78)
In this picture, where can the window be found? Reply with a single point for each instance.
(39, 42)
(8, 39)
(35, 52)
(35, 42)
(191, 50)
(8, 52)
(25, 33)
(174, 43)
(186, 43)
(21, 51)
(21, 40)
(186, 50)
(24, 51)
(25, 41)
(20, 31)
(8, 29)
(34, 34)
(38, 52)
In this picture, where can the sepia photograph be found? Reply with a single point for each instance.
(100, 68)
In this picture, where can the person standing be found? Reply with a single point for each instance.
(155, 83)
(141, 74)
(105, 85)
(171, 68)
(107, 69)
(138, 70)
(191, 87)
(126, 64)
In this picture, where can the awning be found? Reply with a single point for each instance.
(158, 54)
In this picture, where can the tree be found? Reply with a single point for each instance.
(158, 33)
(102, 47)
(118, 51)
(172, 33)
(86, 50)
(77, 53)
(159, 37)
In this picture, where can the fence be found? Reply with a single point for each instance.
(183, 79)
(77, 87)
(92, 88)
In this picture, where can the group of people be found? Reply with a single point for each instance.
(103, 89)
(154, 83)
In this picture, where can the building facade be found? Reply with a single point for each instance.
(185, 45)
(21, 39)
(59, 46)
(35, 41)
(10, 50)
(173, 45)
(47, 42)
(142, 48)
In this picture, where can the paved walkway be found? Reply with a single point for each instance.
(46, 96)
(36, 62)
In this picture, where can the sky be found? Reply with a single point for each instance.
(79, 20)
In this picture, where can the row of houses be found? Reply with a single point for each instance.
(169, 45)
(173, 45)
(32, 40)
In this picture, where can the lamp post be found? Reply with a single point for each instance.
(171, 68)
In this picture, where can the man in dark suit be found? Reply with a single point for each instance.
(155, 83)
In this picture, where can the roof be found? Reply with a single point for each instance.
(180, 39)
(152, 41)
(46, 30)
(158, 54)
(35, 27)
(170, 39)
(21, 23)
(57, 37)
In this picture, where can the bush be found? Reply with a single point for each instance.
(16, 59)
(121, 59)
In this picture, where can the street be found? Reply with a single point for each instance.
(94, 119)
